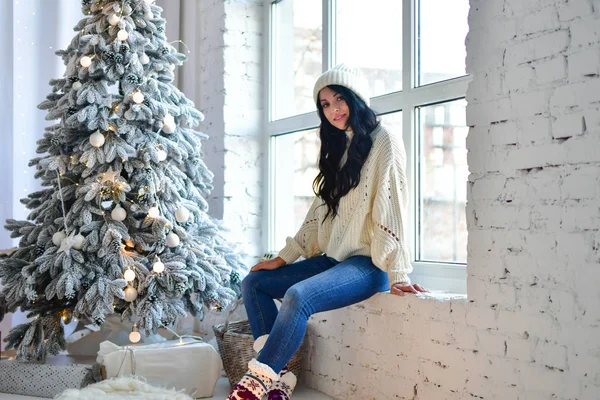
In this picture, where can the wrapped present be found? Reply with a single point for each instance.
(46, 379)
(189, 364)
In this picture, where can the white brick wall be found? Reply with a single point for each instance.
(530, 328)
(231, 89)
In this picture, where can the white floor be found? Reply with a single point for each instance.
(221, 392)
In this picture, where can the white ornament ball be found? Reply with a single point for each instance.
(77, 85)
(153, 212)
(138, 97)
(158, 267)
(148, 15)
(135, 337)
(130, 294)
(129, 275)
(182, 214)
(144, 59)
(85, 61)
(122, 35)
(169, 128)
(172, 240)
(118, 214)
(58, 237)
(168, 119)
(97, 139)
(78, 243)
(162, 155)
(114, 19)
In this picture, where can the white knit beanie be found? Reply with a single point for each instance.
(345, 76)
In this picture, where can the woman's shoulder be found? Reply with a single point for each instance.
(386, 139)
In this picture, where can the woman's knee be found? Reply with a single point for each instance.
(294, 297)
(249, 283)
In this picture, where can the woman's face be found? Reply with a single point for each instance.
(334, 107)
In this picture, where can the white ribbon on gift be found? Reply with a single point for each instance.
(108, 347)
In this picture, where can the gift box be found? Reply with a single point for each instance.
(189, 365)
(46, 379)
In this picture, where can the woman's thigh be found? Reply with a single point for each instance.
(350, 281)
(275, 283)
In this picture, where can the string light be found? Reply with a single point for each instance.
(129, 275)
(135, 335)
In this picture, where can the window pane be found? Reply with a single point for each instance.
(296, 156)
(297, 57)
(442, 173)
(370, 37)
(441, 30)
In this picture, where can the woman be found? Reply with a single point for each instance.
(352, 237)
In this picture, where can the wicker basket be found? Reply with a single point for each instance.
(235, 343)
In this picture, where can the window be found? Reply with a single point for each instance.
(442, 176)
(412, 53)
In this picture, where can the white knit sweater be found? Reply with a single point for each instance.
(370, 218)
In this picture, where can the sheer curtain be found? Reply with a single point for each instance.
(31, 31)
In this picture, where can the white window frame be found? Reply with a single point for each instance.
(451, 277)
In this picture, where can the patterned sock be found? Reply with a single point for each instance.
(255, 383)
(283, 388)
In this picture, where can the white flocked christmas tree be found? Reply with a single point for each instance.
(121, 225)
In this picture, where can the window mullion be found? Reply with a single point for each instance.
(328, 34)
(408, 115)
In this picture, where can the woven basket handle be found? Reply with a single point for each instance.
(238, 302)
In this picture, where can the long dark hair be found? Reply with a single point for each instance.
(333, 183)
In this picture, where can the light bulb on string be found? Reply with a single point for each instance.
(76, 85)
(169, 128)
(114, 19)
(131, 294)
(153, 212)
(168, 119)
(161, 155)
(135, 335)
(122, 35)
(85, 61)
(158, 266)
(138, 97)
(173, 240)
(129, 275)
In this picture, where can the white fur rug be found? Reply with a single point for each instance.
(121, 389)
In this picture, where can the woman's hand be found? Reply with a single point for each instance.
(400, 288)
(269, 265)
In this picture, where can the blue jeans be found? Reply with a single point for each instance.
(307, 287)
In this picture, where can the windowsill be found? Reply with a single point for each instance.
(441, 278)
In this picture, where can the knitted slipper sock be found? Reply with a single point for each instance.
(283, 388)
(255, 383)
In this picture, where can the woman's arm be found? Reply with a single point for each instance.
(305, 243)
(388, 248)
